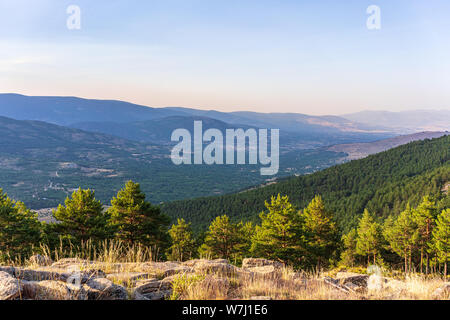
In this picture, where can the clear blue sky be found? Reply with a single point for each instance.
(315, 57)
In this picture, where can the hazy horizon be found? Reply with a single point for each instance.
(226, 110)
(316, 58)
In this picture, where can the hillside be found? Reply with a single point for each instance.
(361, 150)
(41, 163)
(383, 183)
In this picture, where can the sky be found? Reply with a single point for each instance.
(314, 57)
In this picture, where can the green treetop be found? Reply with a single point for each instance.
(82, 217)
(137, 220)
(369, 237)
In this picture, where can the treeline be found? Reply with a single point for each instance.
(307, 238)
(383, 183)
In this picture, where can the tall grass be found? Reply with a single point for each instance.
(107, 251)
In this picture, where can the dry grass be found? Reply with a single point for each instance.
(310, 287)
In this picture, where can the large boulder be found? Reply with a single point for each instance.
(219, 267)
(153, 289)
(257, 262)
(9, 287)
(352, 279)
(36, 275)
(53, 290)
(104, 289)
(262, 268)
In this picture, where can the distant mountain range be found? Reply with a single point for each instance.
(405, 121)
(51, 145)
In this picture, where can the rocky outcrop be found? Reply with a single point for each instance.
(104, 289)
(9, 287)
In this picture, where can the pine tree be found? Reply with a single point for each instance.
(183, 243)
(441, 238)
(349, 255)
(320, 230)
(369, 237)
(425, 217)
(136, 220)
(280, 235)
(83, 217)
(402, 236)
(20, 230)
(222, 239)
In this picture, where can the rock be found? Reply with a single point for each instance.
(9, 270)
(36, 275)
(254, 262)
(40, 260)
(54, 290)
(153, 289)
(357, 279)
(218, 267)
(9, 287)
(266, 272)
(104, 289)
(83, 276)
(128, 278)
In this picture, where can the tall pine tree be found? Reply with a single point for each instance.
(20, 230)
(321, 232)
(369, 237)
(441, 238)
(280, 236)
(182, 242)
(136, 220)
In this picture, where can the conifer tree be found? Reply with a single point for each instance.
(349, 255)
(82, 217)
(183, 243)
(320, 231)
(20, 230)
(136, 220)
(402, 236)
(441, 238)
(280, 235)
(369, 237)
(425, 219)
(222, 239)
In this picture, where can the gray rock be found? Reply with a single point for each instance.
(128, 278)
(9, 287)
(53, 290)
(36, 275)
(104, 289)
(256, 262)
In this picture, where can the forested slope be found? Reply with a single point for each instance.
(383, 183)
